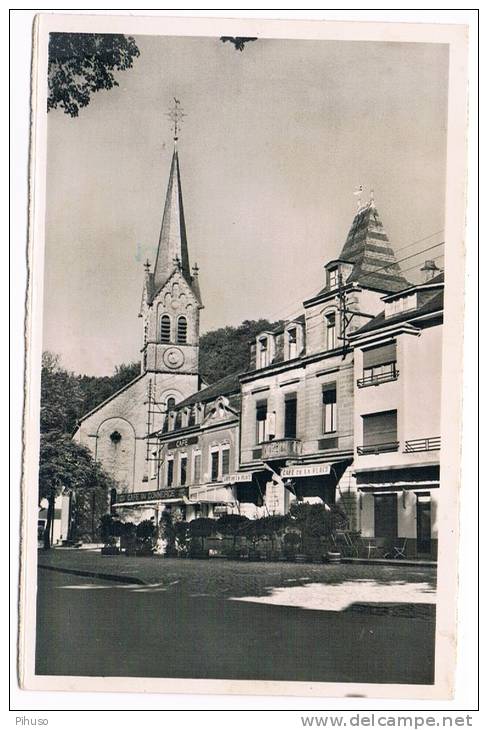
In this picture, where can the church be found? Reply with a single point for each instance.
(116, 431)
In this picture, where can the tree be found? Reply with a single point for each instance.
(80, 64)
(61, 396)
(66, 466)
(226, 350)
(201, 527)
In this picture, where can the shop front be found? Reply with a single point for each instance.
(398, 508)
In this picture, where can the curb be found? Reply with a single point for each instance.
(95, 574)
(395, 563)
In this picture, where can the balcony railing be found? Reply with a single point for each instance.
(152, 495)
(287, 448)
(377, 379)
(378, 448)
(431, 443)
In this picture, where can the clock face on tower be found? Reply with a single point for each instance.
(173, 357)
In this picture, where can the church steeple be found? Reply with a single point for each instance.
(173, 244)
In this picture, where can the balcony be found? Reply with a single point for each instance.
(378, 379)
(378, 448)
(287, 448)
(431, 443)
(152, 495)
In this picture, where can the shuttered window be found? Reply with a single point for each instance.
(382, 355)
(380, 428)
(290, 415)
(214, 457)
(182, 330)
(169, 472)
(261, 416)
(225, 461)
(329, 407)
(183, 470)
(165, 328)
(197, 468)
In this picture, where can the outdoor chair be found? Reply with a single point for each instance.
(370, 546)
(399, 549)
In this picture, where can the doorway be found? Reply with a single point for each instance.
(386, 515)
(423, 523)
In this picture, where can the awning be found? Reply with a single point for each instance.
(397, 486)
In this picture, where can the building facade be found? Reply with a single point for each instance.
(297, 419)
(193, 458)
(397, 370)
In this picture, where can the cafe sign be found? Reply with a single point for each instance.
(245, 476)
(314, 470)
(183, 442)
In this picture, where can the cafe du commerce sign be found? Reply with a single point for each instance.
(181, 443)
(314, 470)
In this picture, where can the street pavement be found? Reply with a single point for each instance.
(235, 620)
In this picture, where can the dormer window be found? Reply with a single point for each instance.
(333, 278)
(400, 304)
(263, 352)
(291, 336)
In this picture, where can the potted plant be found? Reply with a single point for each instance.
(199, 529)
(291, 542)
(145, 533)
(109, 531)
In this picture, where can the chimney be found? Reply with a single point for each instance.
(429, 270)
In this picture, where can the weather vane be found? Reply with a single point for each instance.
(176, 115)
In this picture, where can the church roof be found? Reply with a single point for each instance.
(368, 248)
(225, 386)
(173, 244)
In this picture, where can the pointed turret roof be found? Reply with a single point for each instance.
(368, 248)
(172, 254)
(173, 245)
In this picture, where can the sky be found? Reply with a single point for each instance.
(275, 141)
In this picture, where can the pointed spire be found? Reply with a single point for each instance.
(368, 248)
(173, 245)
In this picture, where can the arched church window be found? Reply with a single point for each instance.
(170, 403)
(165, 329)
(182, 330)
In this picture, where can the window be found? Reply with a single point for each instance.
(379, 365)
(261, 421)
(402, 304)
(379, 433)
(290, 415)
(333, 278)
(291, 338)
(329, 407)
(214, 465)
(170, 404)
(191, 416)
(165, 329)
(183, 469)
(330, 332)
(178, 420)
(197, 467)
(182, 331)
(225, 461)
(263, 349)
(169, 471)
(154, 464)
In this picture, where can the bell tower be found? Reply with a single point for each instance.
(171, 300)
